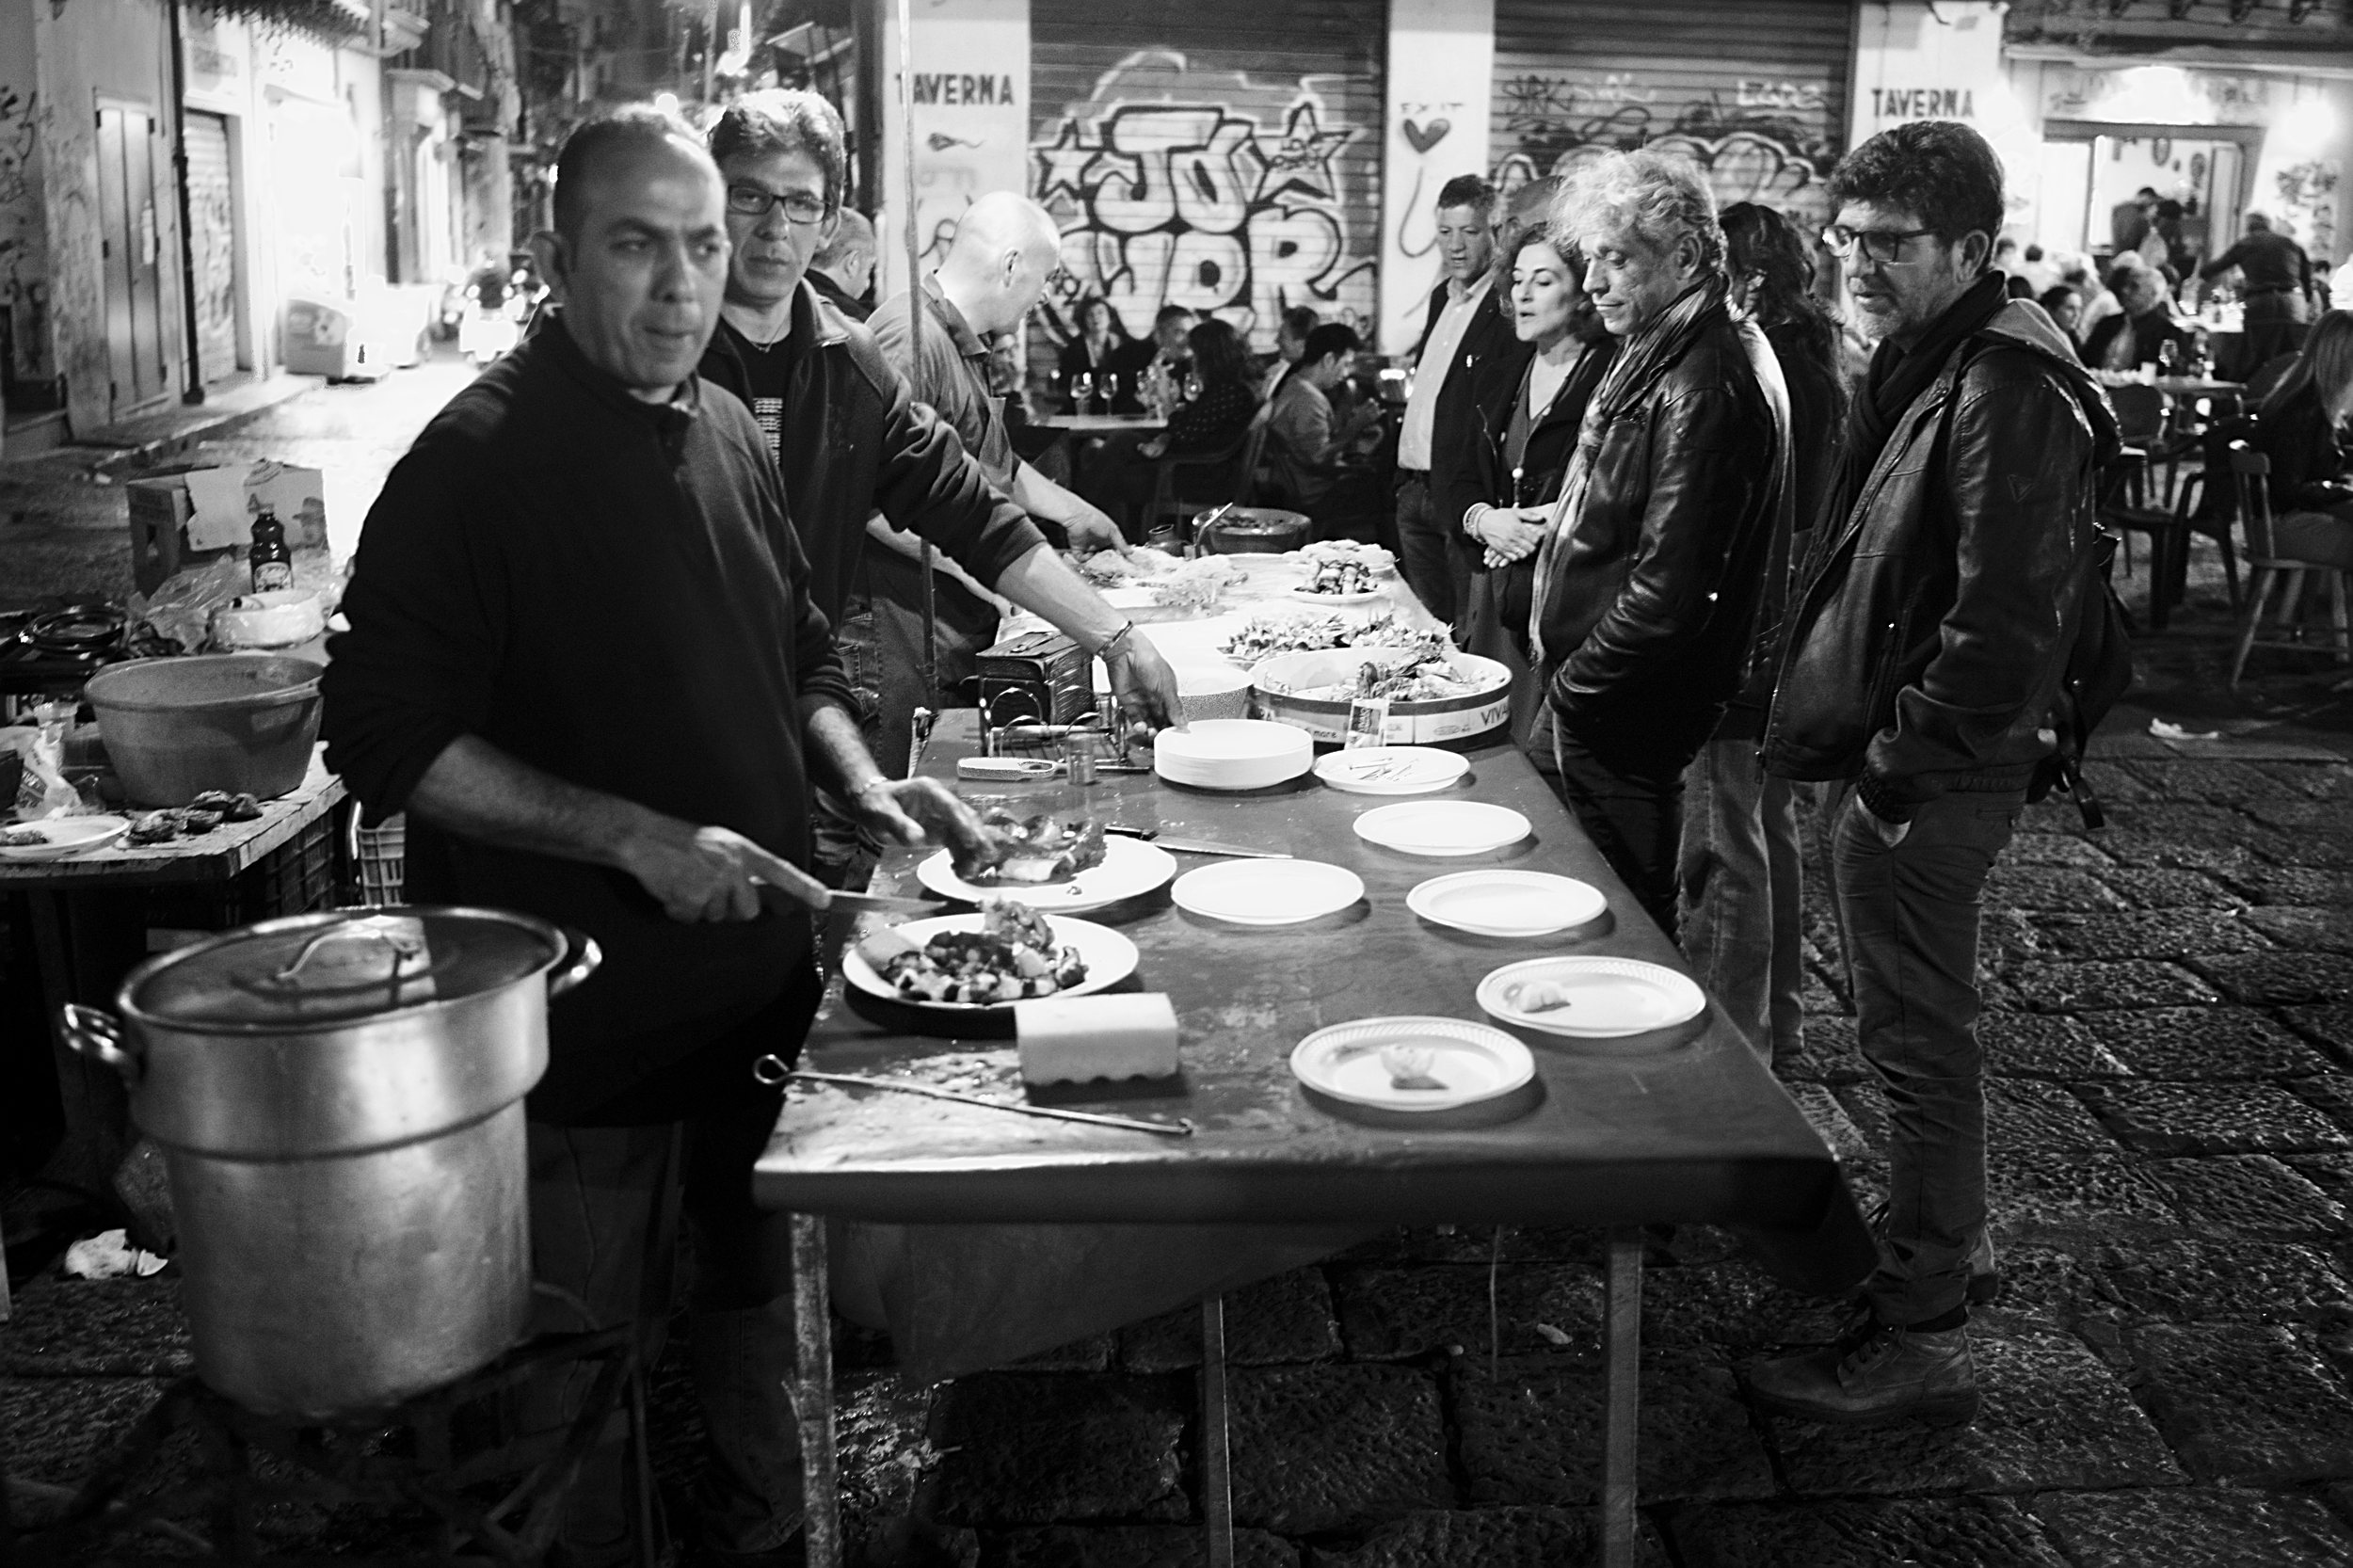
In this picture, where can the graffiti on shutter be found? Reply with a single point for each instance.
(1211, 189)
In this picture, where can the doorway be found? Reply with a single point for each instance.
(213, 245)
(132, 251)
(2091, 170)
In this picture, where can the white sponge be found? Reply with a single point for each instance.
(1073, 1039)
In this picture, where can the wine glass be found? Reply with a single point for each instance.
(1192, 386)
(1081, 391)
(1110, 391)
(2168, 356)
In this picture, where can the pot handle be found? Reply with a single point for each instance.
(581, 957)
(97, 1035)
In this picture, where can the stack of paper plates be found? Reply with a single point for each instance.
(1232, 754)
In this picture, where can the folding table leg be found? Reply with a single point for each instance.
(1622, 1330)
(1217, 1475)
(812, 1401)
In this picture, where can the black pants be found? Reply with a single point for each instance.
(1634, 815)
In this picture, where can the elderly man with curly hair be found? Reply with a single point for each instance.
(1649, 580)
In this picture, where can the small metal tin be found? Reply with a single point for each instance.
(1079, 753)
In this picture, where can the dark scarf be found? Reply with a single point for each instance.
(1643, 361)
(1897, 377)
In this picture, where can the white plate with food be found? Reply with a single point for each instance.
(1267, 892)
(1442, 827)
(1373, 557)
(55, 837)
(1412, 1064)
(1069, 867)
(1392, 770)
(1590, 998)
(1500, 903)
(1007, 952)
(1316, 596)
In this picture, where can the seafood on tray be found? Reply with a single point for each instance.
(1338, 576)
(1013, 957)
(1030, 849)
(1272, 631)
(1421, 670)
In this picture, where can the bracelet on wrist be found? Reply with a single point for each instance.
(1123, 637)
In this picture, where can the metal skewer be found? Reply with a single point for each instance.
(1179, 1129)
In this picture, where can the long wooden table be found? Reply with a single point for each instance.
(1684, 1126)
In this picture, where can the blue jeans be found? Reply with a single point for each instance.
(1908, 919)
(1738, 887)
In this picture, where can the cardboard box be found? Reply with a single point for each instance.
(185, 518)
(227, 499)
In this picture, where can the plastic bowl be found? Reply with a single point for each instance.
(1214, 694)
(244, 723)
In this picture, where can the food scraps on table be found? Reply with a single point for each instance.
(1418, 673)
(1196, 584)
(21, 838)
(1029, 849)
(1536, 996)
(1013, 957)
(198, 817)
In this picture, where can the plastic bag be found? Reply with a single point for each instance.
(43, 790)
(183, 604)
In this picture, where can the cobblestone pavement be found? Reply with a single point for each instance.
(2169, 1045)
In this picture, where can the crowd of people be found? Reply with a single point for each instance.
(1735, 581)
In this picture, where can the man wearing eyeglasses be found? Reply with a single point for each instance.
(862, 460)
(1922, 657)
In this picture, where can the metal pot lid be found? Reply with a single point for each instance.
(345, 966)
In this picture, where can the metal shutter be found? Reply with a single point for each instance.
(1756, 92)
(1224, 155)
(212, 234)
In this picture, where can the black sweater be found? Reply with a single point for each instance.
(610, 591)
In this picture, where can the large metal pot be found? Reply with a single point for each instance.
(338, 1101)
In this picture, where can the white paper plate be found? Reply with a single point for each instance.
(1392, 770)
(66, 836)
(1232, 754)
(1365, 596)
(1474, 1062)
(1609, 997)
(1498, 902)
(1109, 956)
(1267, 892)
(1130, 866)
(1447, 827)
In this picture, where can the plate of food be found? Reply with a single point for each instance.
(1379, 562)
(1590, 998)
(1048, 864)
(1338, 579)
(55, 837)
(1391, 770)
(1442, 827)
(1005, 953)
(1496, 901)
(1412, 1064)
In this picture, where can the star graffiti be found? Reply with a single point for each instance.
(1062, 169)
(1302, 160)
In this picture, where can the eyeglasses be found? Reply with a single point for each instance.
(751, 202)
(1877, 245)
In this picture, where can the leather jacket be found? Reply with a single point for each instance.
(1654, 592)
(1934, 619)
(857, 443)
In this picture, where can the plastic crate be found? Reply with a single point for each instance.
(304, 873)
(379, 859)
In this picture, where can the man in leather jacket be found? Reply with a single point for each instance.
(1927, 638)
(1648, 581)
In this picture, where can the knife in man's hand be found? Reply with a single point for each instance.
(781, 876)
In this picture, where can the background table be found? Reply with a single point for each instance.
(1101, 424)
(89, 922)
(1690, 1128)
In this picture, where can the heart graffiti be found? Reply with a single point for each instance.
(1424, 137)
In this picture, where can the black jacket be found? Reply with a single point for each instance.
(855, 444)
(2148, 332)
(1473, 470)
(1479, 361)
(1654, 594)
(1934, 619)
(2307, 461)
(609, 591)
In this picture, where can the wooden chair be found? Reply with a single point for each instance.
(2252, 472)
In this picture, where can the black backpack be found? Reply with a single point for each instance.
(2098, 671)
